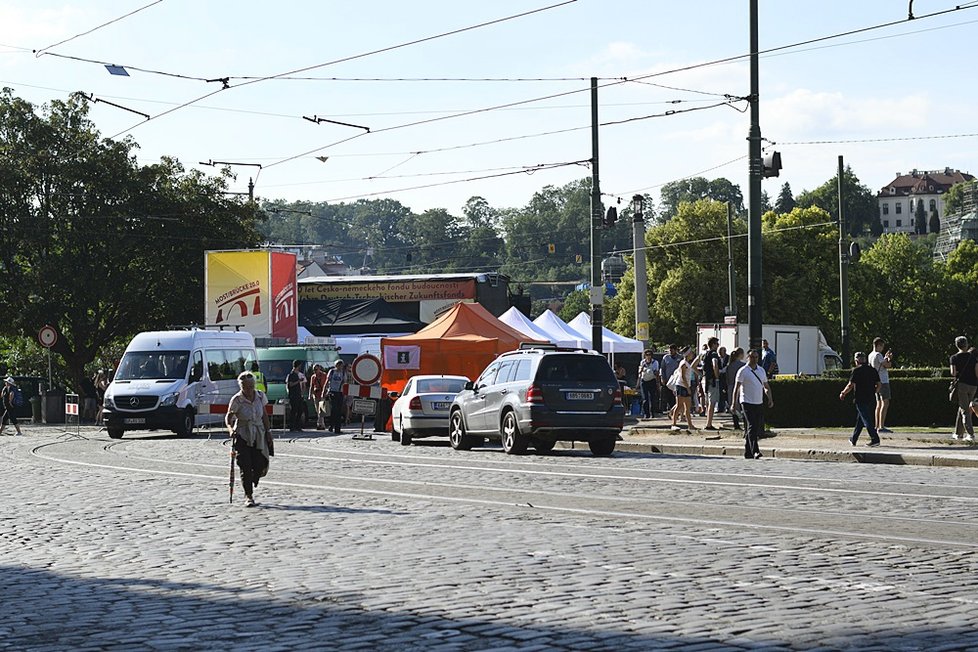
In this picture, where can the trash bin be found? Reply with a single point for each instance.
(52, 407)
(36, 409)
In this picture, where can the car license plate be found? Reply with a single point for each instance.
(579, 396)
(440, 405)
(133, 421)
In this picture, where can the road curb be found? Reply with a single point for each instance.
(812, 454)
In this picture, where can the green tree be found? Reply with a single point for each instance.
(896, 292)
(695, 188)
(860, 206)
(786, 201)
(920, 218)
(935, 222)
(575, 303)
(954, 200)
(95, 244)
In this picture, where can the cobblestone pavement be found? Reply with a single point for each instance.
(132, 545)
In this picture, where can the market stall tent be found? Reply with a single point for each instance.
(463, 341)
(513, 317)
(560, 333)
(611, 341)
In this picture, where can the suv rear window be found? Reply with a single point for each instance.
(574, 367)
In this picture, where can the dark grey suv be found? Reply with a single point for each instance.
(537, 397)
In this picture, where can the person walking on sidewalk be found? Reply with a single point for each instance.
(733, 366)
(964, 369)
(670, 362)
(335, 380)
(749, 392)
(7, 404)
(317, 394)
(864, 383)
(882, 362)
(297, 402)
(251, 434)
(648, 377)
(711, 380)
(684, 389)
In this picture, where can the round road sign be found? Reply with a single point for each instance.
(366, 369)
(47, 336)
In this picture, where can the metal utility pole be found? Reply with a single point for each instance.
(731, 274)
(754, 283)
(843, 273)
(597, 286)
(641, 273)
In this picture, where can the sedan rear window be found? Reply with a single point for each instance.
(440, 386)
(575, 367)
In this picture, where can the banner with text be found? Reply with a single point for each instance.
(392, 291)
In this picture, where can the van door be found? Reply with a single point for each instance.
(195, 382)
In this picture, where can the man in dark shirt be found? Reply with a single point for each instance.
(964, 367)
(864, 383)
(297, 403)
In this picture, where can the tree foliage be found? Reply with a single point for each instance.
(696, 188)
(861, 207)
(95, 244)
(786, 201)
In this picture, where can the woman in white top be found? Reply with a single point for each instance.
(251, 434)
(684, 390)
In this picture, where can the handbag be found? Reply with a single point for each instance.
(675, 379)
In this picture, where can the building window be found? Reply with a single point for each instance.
(899, 223)
(886, 224)
(933, 204)
(911, 221)
(899, 208)
(886, 208)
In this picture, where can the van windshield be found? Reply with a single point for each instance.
(275, 370)
(153, 365)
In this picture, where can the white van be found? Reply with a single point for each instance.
(171, 380)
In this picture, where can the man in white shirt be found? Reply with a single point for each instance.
(749, 394)
(881, 363)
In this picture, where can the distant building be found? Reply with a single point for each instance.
(898, 200)
(314, 260)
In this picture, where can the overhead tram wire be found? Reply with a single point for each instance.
(623, 80)
(362, 55)
(41, 52)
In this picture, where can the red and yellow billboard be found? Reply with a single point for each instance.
(252, 289)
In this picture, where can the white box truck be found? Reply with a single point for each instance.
(800, 350)
(168, 380)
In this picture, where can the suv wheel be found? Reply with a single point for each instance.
(514, 443)
(115, 433)
(602, 447)
(456, 433)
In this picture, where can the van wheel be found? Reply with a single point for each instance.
(186, 428)
(602, 447)
(456, 433)
(514, 442)
(115, 433)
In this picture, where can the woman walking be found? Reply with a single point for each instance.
(251, 434)
(684, 390)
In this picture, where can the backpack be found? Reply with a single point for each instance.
(17, 397)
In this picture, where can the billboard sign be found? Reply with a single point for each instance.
(252, 289)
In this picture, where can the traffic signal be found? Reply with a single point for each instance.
(771, 165)
(854, 252)
(611, 217)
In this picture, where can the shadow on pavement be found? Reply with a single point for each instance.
(53, 611)
(327, 509)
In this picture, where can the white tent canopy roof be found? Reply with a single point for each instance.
(516, 319)
(560, 333)
(611, 342)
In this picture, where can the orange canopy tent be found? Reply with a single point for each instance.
(462, 342)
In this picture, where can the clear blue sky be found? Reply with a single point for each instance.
(910, 80)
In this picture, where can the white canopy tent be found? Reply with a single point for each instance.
(611, 341)
(560, 333)
(516, 319)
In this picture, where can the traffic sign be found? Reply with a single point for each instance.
(365, 407)
(366, 369)
(47, 336)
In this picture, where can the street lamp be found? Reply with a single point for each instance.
(641, 280)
